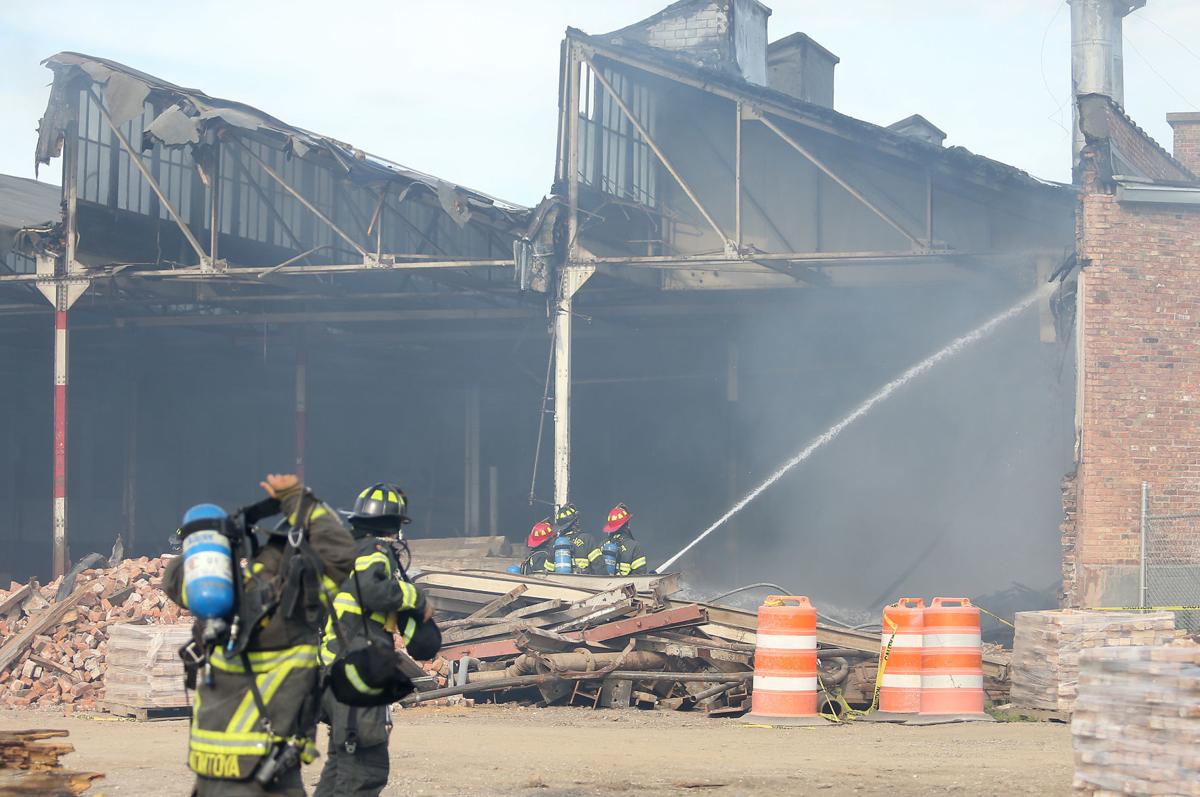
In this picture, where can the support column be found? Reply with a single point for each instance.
(732, 552)
(570, 278)
(562, 400)
(129, 494)
(471, 462)
(493, 500)
(301, 408)
(59, 550)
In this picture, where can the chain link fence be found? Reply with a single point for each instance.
(1170, 572)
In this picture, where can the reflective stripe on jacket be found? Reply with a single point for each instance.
(392, 603)
(584, 554)
(229, 736)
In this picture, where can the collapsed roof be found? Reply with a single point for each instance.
(190, 115)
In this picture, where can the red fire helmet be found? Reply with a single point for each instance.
(541, 531)
(618, 517)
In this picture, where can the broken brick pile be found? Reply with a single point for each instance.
(64, 663)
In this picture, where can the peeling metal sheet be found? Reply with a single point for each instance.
(25, 204)
(125, 97)
(454, 202)
(174, 128)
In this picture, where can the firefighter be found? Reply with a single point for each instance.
(254, 715)
(620, 553)
(583, 552)
(540, 550)
(357, 760)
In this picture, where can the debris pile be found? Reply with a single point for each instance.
(54, 638)
(1137, 720)
(585, 640)
(1048, 645)
(29, 767)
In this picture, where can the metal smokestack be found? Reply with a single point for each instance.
(1097, 59)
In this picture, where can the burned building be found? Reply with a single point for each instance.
(724, 265)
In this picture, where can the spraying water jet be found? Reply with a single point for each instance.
(920, 368)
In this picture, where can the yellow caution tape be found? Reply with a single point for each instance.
(1142, 608)
(994, 616)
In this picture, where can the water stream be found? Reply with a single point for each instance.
(862, 409)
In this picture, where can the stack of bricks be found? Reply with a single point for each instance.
(1048, 645)
(1137, 721)
(142, 668)
(65, 662)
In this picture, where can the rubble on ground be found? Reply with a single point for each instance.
(582, 640)
(53, 649)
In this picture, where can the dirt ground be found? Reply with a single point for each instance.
(508, 750)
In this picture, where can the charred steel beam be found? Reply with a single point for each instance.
(832, 175)
(262, 164)
(668, 618)
(662, 157)
(135, 158)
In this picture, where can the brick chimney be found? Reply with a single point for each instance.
(1187, 139)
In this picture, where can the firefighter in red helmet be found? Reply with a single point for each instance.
(540, 551)
(620, 553)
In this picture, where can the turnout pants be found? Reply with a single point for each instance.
(290, 785)
(363, 773)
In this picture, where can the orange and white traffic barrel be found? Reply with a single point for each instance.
(900, 661)
(785, 663)
(952, 663)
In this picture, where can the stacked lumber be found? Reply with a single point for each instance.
(466, 553)
(1137, 720)
(142, 667)
(53, 650)
(28, 767)
(583, 640)
(1048, 645)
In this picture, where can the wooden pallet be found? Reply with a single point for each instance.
(146, 713)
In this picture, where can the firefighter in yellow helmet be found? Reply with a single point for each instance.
(572, 550)
(379, 601)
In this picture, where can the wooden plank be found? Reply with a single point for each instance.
(13, 602)
(17, 645)
(645, 585)
(465, 547)
(50, 782)
(489, 585)
(499, 603)
(54, 665)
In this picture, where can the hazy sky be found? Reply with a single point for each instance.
(466, 89)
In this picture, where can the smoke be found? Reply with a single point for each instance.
(950, 486)
(861, 410)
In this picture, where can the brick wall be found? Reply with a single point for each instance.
(707, 25)
(1187, 139)
(1070, 551)
(1139, 359)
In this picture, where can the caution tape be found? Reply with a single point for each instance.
(994, 616)
(1142, 608)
